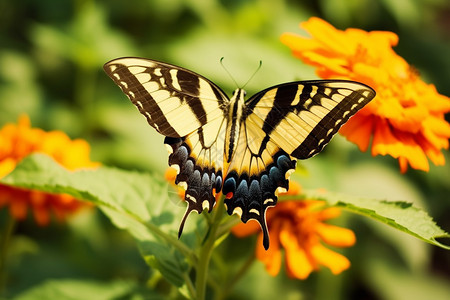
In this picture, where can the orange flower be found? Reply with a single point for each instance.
(18, 141)
(170, 176)
(297, 226)
(406, 118)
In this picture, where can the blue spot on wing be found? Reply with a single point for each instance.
(250, 194)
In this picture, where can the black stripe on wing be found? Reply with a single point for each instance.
(322, 133)
(174, 100)
(141, 98)
(284, 108)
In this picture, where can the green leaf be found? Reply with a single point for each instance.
(111, 189)
(133, 201)
(166, 260)
(401, 215)
(78, 289)
(370, 180)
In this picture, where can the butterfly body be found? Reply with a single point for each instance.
(234, 120)
(244, 149)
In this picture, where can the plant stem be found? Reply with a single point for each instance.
(171, 240)
(4, 245)
(226, 226)
(190, 286)
(206, 251)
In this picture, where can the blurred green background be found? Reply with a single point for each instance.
(51, 58)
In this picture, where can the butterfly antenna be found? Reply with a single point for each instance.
(228, 72)
(254, 73)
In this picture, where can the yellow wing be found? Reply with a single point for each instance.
(198, 159)
(302, 117)
(174, 100)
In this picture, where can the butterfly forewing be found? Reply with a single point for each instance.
(174, 100)
(301, 117)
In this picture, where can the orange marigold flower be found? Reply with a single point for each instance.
(18, 141)
(297, 226)
(170, 176)
(406, 118)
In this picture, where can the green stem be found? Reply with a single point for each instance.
(206, 251)
(190, 286)
(171, 240)
(4, 245)
(226, 226)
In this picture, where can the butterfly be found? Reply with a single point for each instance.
(245, 149)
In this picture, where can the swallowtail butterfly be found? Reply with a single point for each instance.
(244, 149)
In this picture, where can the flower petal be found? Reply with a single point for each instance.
(358, 130)
(401, 145)
(41, 215)
(18, 206)
(298, 264)
(334, 261)
(336, 236)
(246, 229)
(18, 141)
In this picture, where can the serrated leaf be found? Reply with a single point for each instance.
(401, 215)
(133, 201)
(371, 180)
(111, 189)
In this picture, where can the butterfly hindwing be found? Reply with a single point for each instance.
(198, 159)
(174, 100)
(302, 117)
(259, 171)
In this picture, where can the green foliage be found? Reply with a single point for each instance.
(77, 289)
(138, 203)
(165, 259)
(133, 201)
(400, 215)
